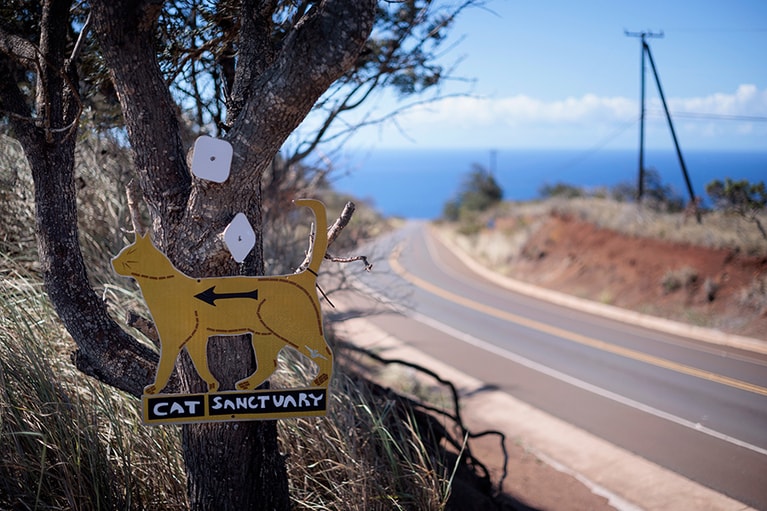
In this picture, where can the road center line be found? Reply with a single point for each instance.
(572, 336)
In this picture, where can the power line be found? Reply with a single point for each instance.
(716, 117)
(718, 29)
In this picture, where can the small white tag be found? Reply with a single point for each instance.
(212, 159)
(239, 237)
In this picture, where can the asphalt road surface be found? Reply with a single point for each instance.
(695, 408)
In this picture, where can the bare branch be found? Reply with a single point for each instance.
(80, 40)
(333, 231)
(31, 57)
(364, 259)
(459, 441)
(343, 220)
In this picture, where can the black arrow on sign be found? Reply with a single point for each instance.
(210, 296)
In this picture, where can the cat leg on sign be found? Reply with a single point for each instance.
(323, 361)
(200, 360)
(164, 370)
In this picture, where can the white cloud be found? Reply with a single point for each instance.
(585, 121)
(747, 100)
(520, 109)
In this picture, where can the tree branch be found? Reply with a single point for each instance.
(104, 349)
(132, 191)
(256, 51)
(126, 33)
(323, 45)
(333, 231)
(81, 40)
(463, 432)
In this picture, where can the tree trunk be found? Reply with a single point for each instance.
(234, 466)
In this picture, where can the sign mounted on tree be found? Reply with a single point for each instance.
(276, 311)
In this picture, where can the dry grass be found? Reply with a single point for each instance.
(69, 442)
(515, 222)
(367, 454)
(754, 296)
(17, 238)
(717, 230)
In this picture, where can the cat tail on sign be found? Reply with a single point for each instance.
(320, 245)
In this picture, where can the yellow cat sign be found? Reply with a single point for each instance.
(276, 311)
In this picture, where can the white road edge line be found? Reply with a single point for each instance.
(553, 373)
(614, 499)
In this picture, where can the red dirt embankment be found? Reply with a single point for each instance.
(707, 287)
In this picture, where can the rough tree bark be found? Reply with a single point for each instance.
(229, 465)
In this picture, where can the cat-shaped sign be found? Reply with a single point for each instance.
(276, 311)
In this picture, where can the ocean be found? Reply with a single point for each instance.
(416, 183)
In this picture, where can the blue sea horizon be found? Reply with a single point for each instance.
(416, 183)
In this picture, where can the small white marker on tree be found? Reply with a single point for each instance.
(239, 237)
(212, 159)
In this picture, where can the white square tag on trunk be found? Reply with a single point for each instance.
(212, 159)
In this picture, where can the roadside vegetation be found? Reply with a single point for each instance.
(70, 442)
(478, 193)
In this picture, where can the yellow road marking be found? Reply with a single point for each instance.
(572, 336)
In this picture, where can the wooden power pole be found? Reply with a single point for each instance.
(646, 51)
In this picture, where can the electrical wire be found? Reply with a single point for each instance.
(713, 117)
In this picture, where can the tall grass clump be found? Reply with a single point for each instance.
(371, 452)
(66, 441)
(17, 235)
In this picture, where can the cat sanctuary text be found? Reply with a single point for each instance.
(255, 405)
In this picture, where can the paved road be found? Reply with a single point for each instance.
(695, 408)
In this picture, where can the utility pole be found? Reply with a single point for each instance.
(646, 51)
(642, 35)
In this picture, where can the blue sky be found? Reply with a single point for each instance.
(562, 74)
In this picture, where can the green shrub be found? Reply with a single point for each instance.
(742, 198)
(563, 190)
(478, 192)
